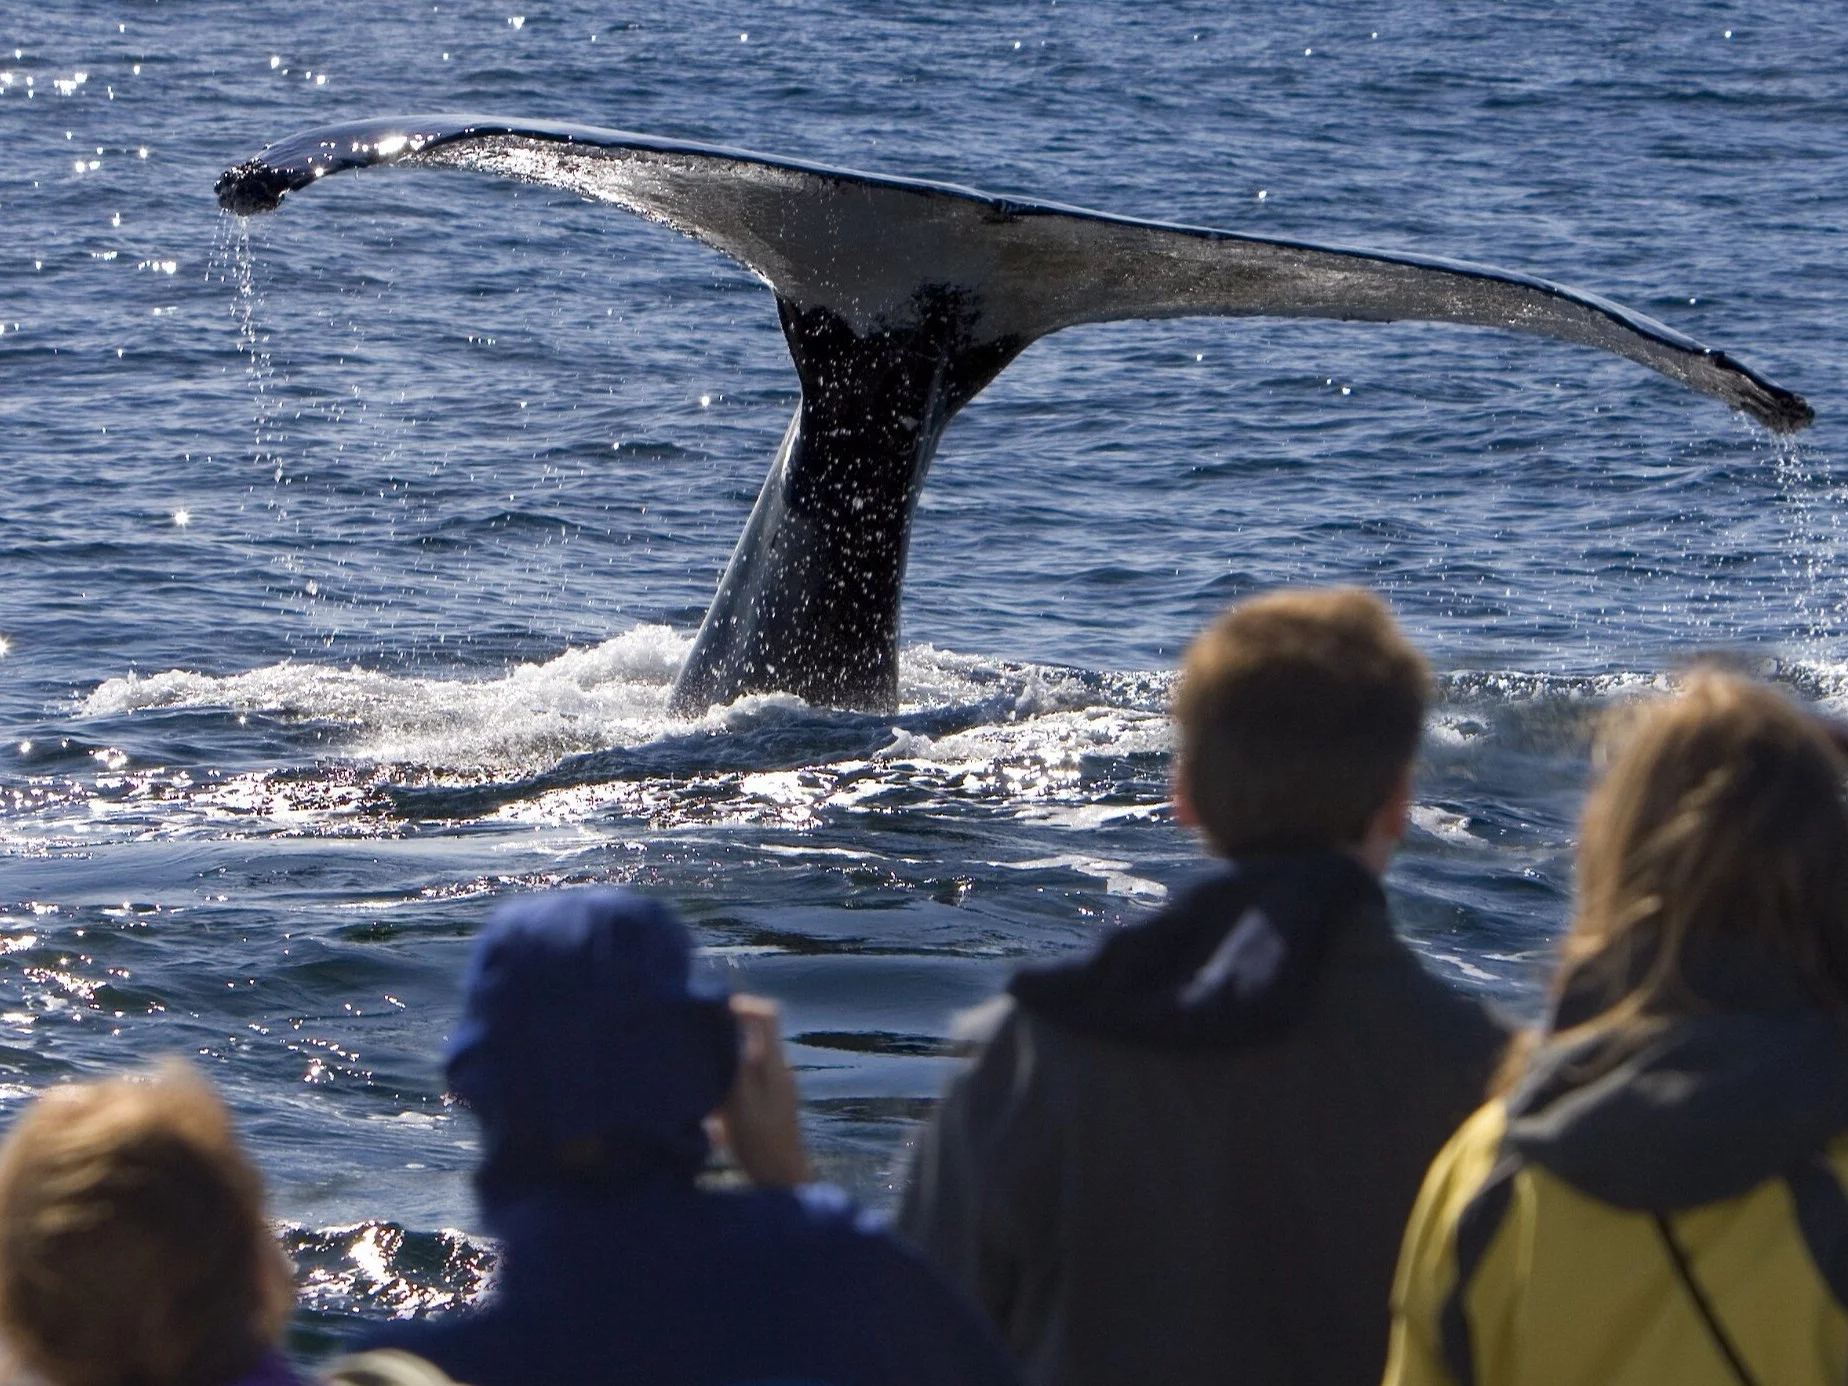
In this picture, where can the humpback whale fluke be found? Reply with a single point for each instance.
(901, 300)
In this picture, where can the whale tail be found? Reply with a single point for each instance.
(901, 300)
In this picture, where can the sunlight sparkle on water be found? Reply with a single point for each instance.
(182, 517)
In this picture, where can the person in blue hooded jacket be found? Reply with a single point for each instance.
(593, 1060)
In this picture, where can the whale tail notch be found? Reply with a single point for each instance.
(900, 301)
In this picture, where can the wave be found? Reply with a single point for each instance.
(607, 697)
(583, 699)
(384, 1270)
(954, 706)
(587, 733)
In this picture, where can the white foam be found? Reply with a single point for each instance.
(615, 694)
(1445, 825)
(1466, 967)
(1058, 739)
(1040, 729)
(1826, 680)
(1114, 874)
(589, 699)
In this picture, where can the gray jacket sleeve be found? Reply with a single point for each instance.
(982, 1198)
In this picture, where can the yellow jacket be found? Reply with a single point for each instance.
(1511, 1276)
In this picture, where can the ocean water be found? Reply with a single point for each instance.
(346, 556)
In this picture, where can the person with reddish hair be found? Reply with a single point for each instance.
(133, 1247)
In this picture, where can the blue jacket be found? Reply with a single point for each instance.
(590, 1055)
(672, 1285)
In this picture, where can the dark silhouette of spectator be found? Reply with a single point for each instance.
(592, 1061)
(1189, 1157)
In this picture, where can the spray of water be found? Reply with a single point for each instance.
(234, 261)
(1813, 495)
(240, 241)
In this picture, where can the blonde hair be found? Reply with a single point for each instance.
(133, 1249)
(1298, 712)
(1721, 814)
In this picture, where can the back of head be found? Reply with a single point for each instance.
(587, 1050)
(1720, 823)
(1297, 713)
(133, 1249)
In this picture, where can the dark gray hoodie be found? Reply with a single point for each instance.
(1190, 1158)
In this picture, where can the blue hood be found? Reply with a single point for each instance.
(586, 1049)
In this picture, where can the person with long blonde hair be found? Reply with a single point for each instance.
(1658, 1193)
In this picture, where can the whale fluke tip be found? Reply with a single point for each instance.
(1793, 413)
(1778, 409)
(1785, 412)
(252, 187)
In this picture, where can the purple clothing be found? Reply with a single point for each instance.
(271, 1371)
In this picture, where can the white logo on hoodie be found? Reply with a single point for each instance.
(1248, 957)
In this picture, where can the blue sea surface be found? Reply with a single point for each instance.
(347, 555)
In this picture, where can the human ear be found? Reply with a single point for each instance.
(1184, 811)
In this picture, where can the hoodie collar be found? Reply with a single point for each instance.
(1233, 961)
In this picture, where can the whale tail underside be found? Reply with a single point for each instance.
(901, 300)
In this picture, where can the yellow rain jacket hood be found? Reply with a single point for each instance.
(1707, 1107)
(1645, 1209)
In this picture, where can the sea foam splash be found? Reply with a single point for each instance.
(600, 698)
(587, 733)
(589, 699)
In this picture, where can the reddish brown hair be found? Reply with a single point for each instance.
(133, 1250)
(1297, 714)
